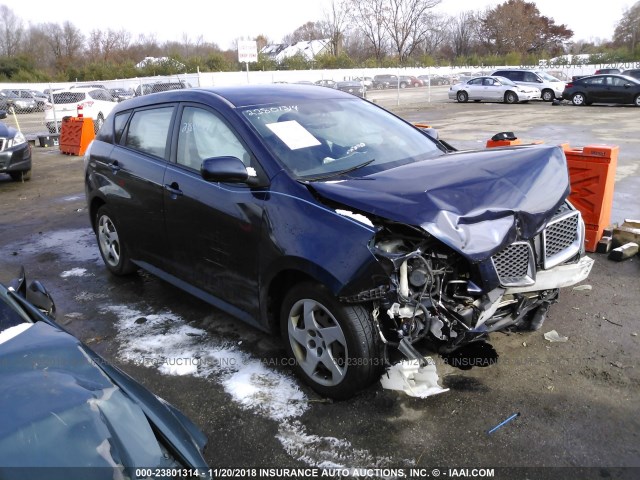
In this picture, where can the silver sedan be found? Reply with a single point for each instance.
(493, 89)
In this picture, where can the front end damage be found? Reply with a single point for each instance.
(435, 293)
(470, 243)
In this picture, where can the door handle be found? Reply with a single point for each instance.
(173, 189)
(115, 166)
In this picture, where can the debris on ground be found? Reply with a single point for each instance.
(629, 231)
(624, 252)
(512, 417)
(583, 287)
(554, 336)
(416, 381)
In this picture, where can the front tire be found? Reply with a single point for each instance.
(112, 246)
(510, 97)
(462, 96)
(636, 101)
(334, 346)
(579, 99)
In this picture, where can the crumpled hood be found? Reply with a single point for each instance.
(471, 201)
(65, 412)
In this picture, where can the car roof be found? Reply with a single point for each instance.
(76, 90)
(241, 96)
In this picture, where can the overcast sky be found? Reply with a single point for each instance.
(222, 22)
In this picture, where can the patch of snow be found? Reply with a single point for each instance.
(74, 272)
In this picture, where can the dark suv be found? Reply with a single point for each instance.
(633, 72)
(316, 214)
(390, 81)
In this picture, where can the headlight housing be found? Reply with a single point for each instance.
(18, 139)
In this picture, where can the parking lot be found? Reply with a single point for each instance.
(578, 401)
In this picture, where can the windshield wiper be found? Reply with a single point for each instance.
(339, 172)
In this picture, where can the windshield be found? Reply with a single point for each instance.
(318, 140)
(549, 78)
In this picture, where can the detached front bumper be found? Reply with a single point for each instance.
(557, 277)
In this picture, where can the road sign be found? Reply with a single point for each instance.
(247, 51)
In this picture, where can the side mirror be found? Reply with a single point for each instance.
(224, 169)
(36, 294)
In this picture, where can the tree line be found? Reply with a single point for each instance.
(360, 33)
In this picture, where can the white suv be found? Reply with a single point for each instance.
(549, 86)
(94, 103)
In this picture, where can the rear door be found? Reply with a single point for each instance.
(135, 173)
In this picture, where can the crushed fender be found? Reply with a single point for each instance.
(412, 379)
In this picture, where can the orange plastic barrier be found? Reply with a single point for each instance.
(503, 143)
(76, 135)
(592, 171)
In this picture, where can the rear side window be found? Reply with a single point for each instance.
(531, 77)
(149, 130)
(68, 97)
(119, 123)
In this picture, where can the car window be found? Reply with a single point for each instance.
(594, 80)
(119, 123)
(530, 77)
(617, 81)
(205, 135)
(149, 129)
(475, 81)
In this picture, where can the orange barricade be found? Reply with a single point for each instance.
(503, 143)
(592, 171)
(76, 135)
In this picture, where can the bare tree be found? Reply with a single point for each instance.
(368, 17)
(335, 23)
(307, 32)
(436, 32)
(406, 23)
(463, 30)
(11, 32)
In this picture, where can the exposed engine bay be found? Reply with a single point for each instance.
(434, 292)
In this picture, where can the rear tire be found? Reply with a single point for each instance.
(548, 95)
(334, 346)
(579, 99)
(112, 246)
(636, 101)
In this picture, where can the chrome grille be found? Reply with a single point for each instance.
(561, 239)
(514, 265)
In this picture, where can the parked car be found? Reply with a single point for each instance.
(492, 88)
(352, 87)
(94, 103)
(327, 83)
(602, 71)
(381, 82)
(31, 96)
(121, 94)
(550, 87)
(15, 152)
(412, 81)
(633, 72)
(69, 412)
(6, 101)
(435, 79)
(147, 88)
(603, 88)
(352, 232)
(366, 81)
(18, 103)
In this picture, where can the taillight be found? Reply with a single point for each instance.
(568, 85)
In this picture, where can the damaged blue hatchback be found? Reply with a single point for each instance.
(319, 215)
